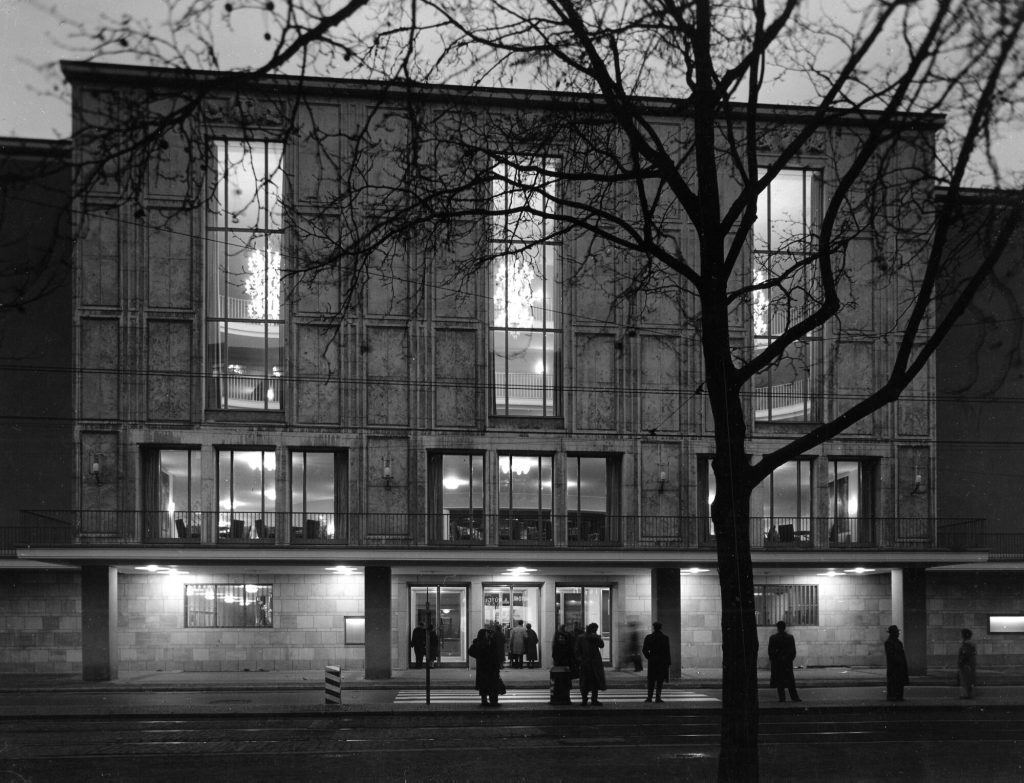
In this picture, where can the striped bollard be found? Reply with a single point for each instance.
(332, 685)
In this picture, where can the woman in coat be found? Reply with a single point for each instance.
(966, 664)
(532, 643)
(588, 655)
(488, 666)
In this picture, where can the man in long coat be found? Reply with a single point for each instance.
(588, 653)
(781, 654)
(658, 653)
(896, 672)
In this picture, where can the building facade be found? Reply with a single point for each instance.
(276, 469)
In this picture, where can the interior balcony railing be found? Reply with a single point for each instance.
(459, 528)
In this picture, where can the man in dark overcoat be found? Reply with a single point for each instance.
(658, 653)
(781, 654)
(897, 674)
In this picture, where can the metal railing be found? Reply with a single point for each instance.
(390, 530)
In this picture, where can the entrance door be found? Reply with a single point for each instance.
(578, 607)
(444, 608)
(506, 605)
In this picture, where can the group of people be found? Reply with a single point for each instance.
(522, 642)
(580, 655)
(782, 653)
(418, 641)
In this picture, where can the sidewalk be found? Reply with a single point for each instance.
(272, 692)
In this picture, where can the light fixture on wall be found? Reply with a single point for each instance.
(661, 481)
(387, 474)
(918, 482)
(94, 468)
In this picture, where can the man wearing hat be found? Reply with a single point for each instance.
(896, 675)
(658, 653)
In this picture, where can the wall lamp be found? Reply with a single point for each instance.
(918, 482)
(387, 474)
(661, 481)
(94, 468)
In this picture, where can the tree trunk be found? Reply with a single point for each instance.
(738, 754)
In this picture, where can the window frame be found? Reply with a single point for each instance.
(807, 603)
(261, 590)
(457, 525)
(229, 386)
(317, 525)
(810, 346)
(591, 527)
(514, 522)
(508, 177)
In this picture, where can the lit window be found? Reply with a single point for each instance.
(785, 239)
(314, 478)
(591, 492)
(850, 496)
(524, 499)
(457, 498)
(525, 327)
(792, 604)
(243, 306)
(247, 495)
(173, 496)
(229, 606)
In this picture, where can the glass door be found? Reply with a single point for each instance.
(578, 607)
(442, 609)
(509, 605)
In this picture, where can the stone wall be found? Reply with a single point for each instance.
(853, 612)
(308, 630)
(965, 600)
(40, 622)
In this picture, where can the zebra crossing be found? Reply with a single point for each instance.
(543, 696)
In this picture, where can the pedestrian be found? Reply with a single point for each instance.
(516, 645)
(658, 653)
(532, 643)
(966, 664)
(634, 647)
(563, 667)
(418, 642)
(488, 667)
(896, 673)
(588, 654)
(781, 654)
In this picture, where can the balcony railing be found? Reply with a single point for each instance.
(471, 528)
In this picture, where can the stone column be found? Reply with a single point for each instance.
(909, 612)
(377, 608)
(99, 623)
(666, 606)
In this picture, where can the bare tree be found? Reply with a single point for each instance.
(653, 153)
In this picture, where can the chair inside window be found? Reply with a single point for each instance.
(238, 528)
(179, 524)
(786, 534)
(261, 530)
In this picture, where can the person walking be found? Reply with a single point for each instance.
(896, 672)
(781, 654)
(591, 664)
(516, 645)
(634, 647)
(532, 643)
(966, 664)
(488, 666)
(658, 653)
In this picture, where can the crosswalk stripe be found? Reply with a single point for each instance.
(540, 696)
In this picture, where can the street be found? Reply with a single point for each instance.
(570, 744)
